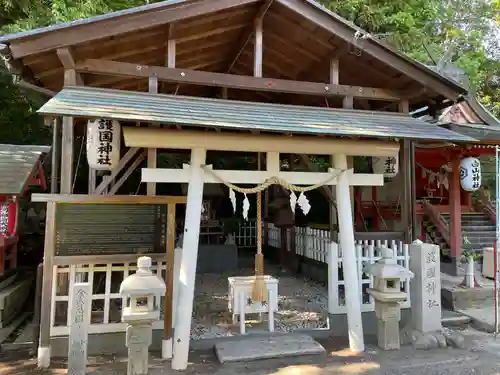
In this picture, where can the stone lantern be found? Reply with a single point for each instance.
(142, 291)
(387, 276)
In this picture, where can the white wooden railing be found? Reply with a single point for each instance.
(106, 302)
(315, 244)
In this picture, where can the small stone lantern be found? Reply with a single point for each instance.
(387, 275)
(142, 291)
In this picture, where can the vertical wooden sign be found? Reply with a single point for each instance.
(78, 330)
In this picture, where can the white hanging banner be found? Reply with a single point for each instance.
(388, 166)
(470, 174)
(103, 144)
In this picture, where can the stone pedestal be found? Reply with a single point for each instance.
(138, 339)
(388, 312)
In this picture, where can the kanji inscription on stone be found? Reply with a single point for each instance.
(78, 329)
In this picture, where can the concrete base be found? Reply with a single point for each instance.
(279, 346)
(44, 357)
(166, 349)
(457, 298)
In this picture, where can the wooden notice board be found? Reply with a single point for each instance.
(108, 229)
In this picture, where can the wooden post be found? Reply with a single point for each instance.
(405, 170)
(455, 213)
(334, 79)
(67, 141)
(48, 271)
(78, 329)
(350, 267)
(152, 155)
(189, 259)
(56, 155)
(169, 281)
(413, 184)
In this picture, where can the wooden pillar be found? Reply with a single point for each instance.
(350, 267)
(376, 222)
(184, 309)
(405, 170)
(56, 155)
(67, 152)
(152, 155)
(413, 191)
(455, 211)
(334, 79)
(169, 281)
(48, 271)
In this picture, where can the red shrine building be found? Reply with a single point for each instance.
(443, 212)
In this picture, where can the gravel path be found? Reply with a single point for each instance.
(302, 304)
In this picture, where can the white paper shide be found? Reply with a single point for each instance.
(103, 144)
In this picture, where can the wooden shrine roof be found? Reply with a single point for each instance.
(300, 38)
(17, 163)
(239, 115)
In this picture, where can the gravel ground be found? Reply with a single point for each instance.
(302, 304)
(482, 357)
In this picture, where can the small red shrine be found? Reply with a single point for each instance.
(21, 169)
(444, 213)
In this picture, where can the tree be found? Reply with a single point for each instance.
(465, 32)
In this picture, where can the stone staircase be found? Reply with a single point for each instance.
(478, 228)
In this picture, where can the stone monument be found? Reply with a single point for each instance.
(143, 290)
(78, 329)
(387, 276)
(425, 330)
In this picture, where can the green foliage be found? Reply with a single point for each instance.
(19, 122)
(466, 30)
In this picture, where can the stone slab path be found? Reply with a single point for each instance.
(276, 346)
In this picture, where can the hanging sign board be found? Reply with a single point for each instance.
(388, 166)
(470, 174)
(103, 144)
(106, 229)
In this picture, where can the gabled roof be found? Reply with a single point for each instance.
(238, 115)
(328, 34)
(17, 164)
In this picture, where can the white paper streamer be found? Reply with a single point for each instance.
(293, 201)
(232, 197)
(246, 207)
(303, 203)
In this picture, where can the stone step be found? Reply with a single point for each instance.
(454, 319)
(264, 347)
(478, 228)
(480, 233)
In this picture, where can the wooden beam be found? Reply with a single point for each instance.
(160, 175)
(119, 167)
(112, 26)
(248, 33)
(187, 140)
(398, 61)
(201, 78)
(138, 161)
(108, 199)
(41, 90)
(68, 62)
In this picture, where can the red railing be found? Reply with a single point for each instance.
(438, 220)
(487, 206)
